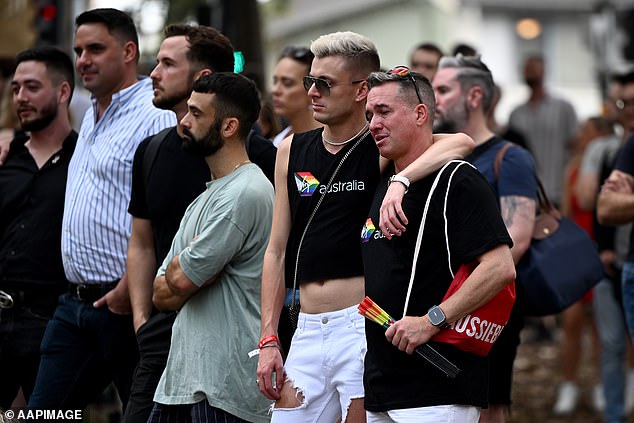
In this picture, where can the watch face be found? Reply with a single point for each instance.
(436, 316)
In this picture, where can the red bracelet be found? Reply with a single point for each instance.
(268, 340)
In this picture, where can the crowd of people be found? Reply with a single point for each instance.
(211, 266)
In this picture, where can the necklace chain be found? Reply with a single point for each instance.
(241, 164)
(339, 144)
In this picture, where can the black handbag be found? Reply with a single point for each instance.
(562, 263)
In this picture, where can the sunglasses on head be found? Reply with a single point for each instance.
(405, 71)
(296, 52)
(323, 86)
(301, 54)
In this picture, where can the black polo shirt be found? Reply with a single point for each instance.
(31, 208)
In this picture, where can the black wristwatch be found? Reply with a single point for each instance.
(437, 317)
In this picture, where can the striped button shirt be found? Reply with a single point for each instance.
(96, 225)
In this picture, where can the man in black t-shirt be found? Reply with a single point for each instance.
(32, 190)
(398, 385)
(161, 194)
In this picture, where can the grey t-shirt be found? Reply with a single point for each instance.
(226, 229)
(600, 149)
(548, 127)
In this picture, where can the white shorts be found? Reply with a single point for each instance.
(325, 364)
(435, 414)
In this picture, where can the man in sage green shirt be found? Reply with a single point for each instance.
(213, 271)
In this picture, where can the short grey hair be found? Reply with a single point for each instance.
(406, 87)
(358, 50)
(471, 72)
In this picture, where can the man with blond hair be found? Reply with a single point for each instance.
(325, 180)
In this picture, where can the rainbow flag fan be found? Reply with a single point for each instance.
(371, 311)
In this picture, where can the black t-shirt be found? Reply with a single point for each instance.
(392, 378)
(177, 178)
(31, 209)
(262, 152)
(330, 248)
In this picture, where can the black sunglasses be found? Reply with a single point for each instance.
(301, 54)
(405, 71)
(323, 85)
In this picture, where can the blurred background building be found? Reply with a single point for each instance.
(583, 41)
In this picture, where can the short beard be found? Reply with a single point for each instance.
(443, 126)
(205, 146)
(47, 115)
(452, 121)
(169, 102)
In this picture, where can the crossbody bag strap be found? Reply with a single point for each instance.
(419, 237)
(312, 215)
(497, 162)
(544, 205)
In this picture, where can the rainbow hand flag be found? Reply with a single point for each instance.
(371, 311)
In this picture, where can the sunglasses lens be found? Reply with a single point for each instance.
(308, 82)
(320, 84)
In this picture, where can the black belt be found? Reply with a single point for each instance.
(90, 292)
(27, 296)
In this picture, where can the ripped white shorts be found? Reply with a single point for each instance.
(325, 364)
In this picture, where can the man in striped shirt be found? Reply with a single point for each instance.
(90, 341)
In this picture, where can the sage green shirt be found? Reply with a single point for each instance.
(226, 229)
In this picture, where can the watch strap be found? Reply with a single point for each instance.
(402, 179)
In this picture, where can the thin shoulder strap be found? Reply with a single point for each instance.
(151, 152)
(312, 215)
(419, 237)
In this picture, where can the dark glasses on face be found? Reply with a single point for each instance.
(404, 71)
(323, 85)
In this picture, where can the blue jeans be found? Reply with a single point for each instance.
(627, 280)
(84, 349)
(612, 330)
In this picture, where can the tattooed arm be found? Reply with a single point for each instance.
(519, 217)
